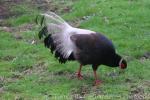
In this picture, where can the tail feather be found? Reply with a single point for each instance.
(42, 20)
(49, 43)
(56, 36)
(43, 32)
(53, 17)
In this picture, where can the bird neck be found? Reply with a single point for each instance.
(114, 60)
(118, 59)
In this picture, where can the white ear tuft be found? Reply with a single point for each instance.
(120, 61)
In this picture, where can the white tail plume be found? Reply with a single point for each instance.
(61, 32)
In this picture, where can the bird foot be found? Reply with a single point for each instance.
(97, 82)
(79, 76)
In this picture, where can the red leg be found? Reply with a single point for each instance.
(97, 81)
(79, 73)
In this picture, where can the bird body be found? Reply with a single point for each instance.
(94, 49)
(85, 46)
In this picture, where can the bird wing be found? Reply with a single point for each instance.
(84, 41)
(87, 47)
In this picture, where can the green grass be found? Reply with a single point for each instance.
(29, 71)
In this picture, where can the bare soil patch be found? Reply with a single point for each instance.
(146, 55)
(137, 93)
(85, 90)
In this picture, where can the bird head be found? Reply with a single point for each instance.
(122, 63)
(115, 60)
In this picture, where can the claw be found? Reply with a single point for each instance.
(79, 76)
(97, 82)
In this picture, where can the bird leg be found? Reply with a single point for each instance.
(79, 73)
(97, 81)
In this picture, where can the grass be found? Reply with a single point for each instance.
(29, 71)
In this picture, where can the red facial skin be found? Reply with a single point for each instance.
(122, 66)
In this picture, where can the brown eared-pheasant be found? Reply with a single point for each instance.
(83, 45)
